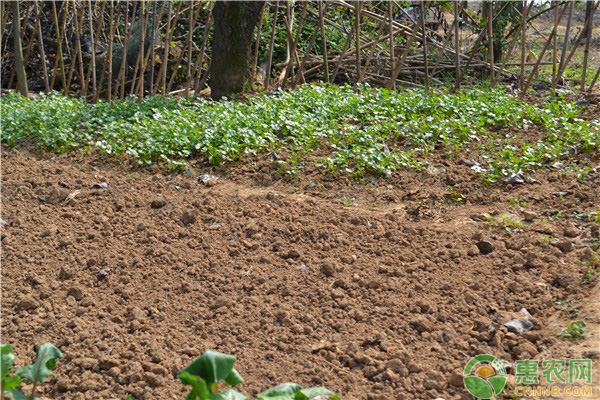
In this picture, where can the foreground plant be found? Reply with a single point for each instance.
(47, 354)
(206, 372)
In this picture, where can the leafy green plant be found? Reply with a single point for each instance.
(517, 201)
(47, 354)
(211, 368)
(346, 202)
(590, 270)
(504, 223)
(574, 330)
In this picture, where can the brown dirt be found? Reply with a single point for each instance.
(386, 298)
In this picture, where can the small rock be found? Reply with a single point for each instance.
(189, 217)
(525, 313)
(158, 202)
(64, 185)
(435, 380)
(485, 247)
(421, 324)
(293, 254)
(221, 302)
(27, 303)
(564, 245)
(102, 185)
(216, 225)
(75, 292)
(525, 350)
(565, 281)
(328, 269)
(518, 325)
(529, 216)
(571, 232)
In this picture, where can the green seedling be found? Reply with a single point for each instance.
(505, 223)
(590, 271)
(346, 202)
(517, 201)
(574, 330)
(46, 358)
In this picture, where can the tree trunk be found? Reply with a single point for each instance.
(19, 63)
(234, 23)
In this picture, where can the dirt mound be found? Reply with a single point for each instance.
(377, 290)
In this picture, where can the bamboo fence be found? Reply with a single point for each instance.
(113, 49)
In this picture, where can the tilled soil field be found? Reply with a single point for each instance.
(379, 289)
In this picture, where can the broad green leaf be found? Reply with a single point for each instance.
(45, 361)
(18, 395)
(283, 391)
(211, 366)
(199, 387)
(234, 378)
(7, 359)
(231, 394)
(315, 393)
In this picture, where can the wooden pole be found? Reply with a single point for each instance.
(271, 44)
(491, 42)
(457, 9)
(323, 40)
(19, 63)
(391, 29)
(357, 39)
(42, 52)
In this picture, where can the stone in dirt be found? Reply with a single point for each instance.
(564, 245)
(518, 325)
(158, 202)
(485, 247)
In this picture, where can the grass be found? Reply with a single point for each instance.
(573, 330)
(362, 131)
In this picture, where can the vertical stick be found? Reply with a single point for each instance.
(110, 48)
(587, 48)
(92, 68)
(323, 40)
(457, 7)
(180, 56)
(163, 67)
(271, 44)
(554, 46)
(425, 60)
(391, 28)
(19, 63)
(522, 73)
(357, 39)
(59, 55)
(256, 49)
(197, 82)
(42, 52)
(140, 58)
(564, 48)
(491, 42)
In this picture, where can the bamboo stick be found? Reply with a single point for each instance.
(256, 49)
(586, 51)
(535, 68)
(577, 39)
(323, 38)
(357, 39)
(491, 42)
(565, 45)
(426, 61)
(42, 52)
(271, 44)
(179, 57)
(391, 29)
(200, 83)
(554, 46)
(457, 8)
(59, 56)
